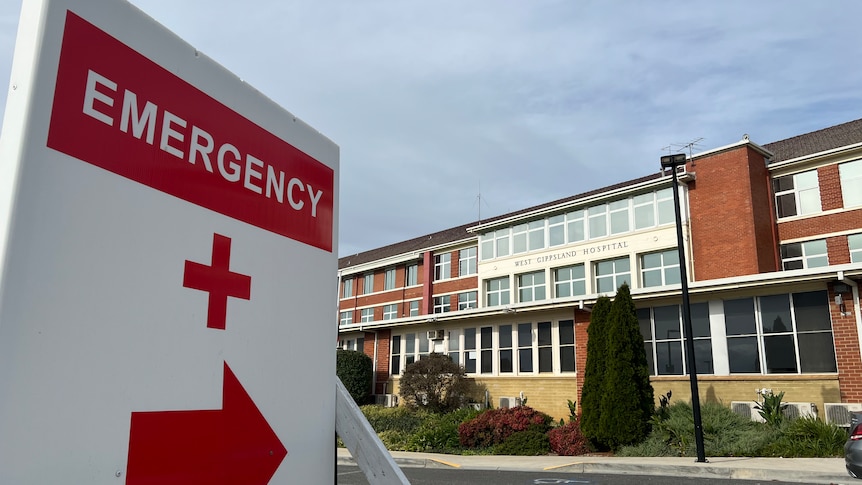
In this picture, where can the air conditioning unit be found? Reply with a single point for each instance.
(509, 402)
(800, 410)
(746, 409)
(436, 334)
(841, 413)
(386, 400)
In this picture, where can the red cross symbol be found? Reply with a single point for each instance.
(218, 281)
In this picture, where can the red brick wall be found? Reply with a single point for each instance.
(830, 187)
(582, 322)
(838, 250)
(847, 353)
(813, 226)
(732, 234)
(381, 372)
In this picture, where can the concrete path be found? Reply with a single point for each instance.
(800, 470)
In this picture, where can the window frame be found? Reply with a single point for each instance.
(442, 266)
(467, 261)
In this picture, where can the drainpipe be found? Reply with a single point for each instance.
(856, 307)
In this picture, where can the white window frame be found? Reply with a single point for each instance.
(571, 281)
(618, 277)
(442, 266)
(503, 293)
(442, 304)
(346, 318)
(389, 279)
(850, 174)
(467, 261)
(620, 211)
(668, 268)
(854, 244)
(366, 315)
(367, 283)
(810, 253)
(390, 311)
(468, 299)
(347, 287)
(411, 275)
(413, 308)
(803, 192)
(532, 286)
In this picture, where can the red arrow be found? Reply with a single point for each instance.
(229, 446)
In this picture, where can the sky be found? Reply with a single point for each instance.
(449, 111)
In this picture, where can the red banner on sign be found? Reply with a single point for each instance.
(118, 110)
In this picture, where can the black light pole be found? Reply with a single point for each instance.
(672, 162)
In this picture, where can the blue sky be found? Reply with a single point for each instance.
(435, 103)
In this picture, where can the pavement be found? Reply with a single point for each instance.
(799, 470)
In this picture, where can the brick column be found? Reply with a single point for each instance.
(847, 352)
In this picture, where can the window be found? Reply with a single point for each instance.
(797, 194)
(570, 281)
(470, 350)
(855, 243)
(494, 244)
(409, 349)
(389, 279)
(395, 356)
(414, 308)
(611, 274)
(536, 235)
(525, 348)
(504, 341)
(345, 318)
(390, 312)
(575, 226)
(567, 345)
(441, 304)
(501, 242)
(347, 288)
(486, 245)
(467, 300)
(851, 183)
(619, 216)
(366, 315)
(531, 286)
(486, 360)
(368, 283)
(442, 266)
(743, 349)
(546, 351)
(659, 269)
(598, 221)
(497, 291)
(557, 230)
(809, 254)
(783, 334)
(467, 262)
(519, 239)
(412, 274)
(644, 210)
(665, 206)
(661, 328)
(454, 346)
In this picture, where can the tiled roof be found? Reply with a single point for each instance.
(817, 141)
(797, 146)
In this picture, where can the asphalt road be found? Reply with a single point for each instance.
(352, 475)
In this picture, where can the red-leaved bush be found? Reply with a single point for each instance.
(568, 440)
(495, 425)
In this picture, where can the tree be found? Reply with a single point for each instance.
(355, 370)
(435, 383)
(627, 399)
(594, 374)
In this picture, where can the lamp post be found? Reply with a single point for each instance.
(672, 162)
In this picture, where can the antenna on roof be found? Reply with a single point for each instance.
(690, 146)
(479, 202)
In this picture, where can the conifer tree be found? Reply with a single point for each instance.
(627, 398)
(594, 374)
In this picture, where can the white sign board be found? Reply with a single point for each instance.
(168, 264)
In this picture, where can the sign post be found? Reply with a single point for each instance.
(167, 262)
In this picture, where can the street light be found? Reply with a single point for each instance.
(672, 162)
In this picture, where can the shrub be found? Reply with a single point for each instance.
(808, 437)
(771, 409)
(355, 370)
(493, 426)
(627, 402)
(397, 418)
(434, 383)
(567, 440)
(594, 375)
(439, 432)
(532, 442)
